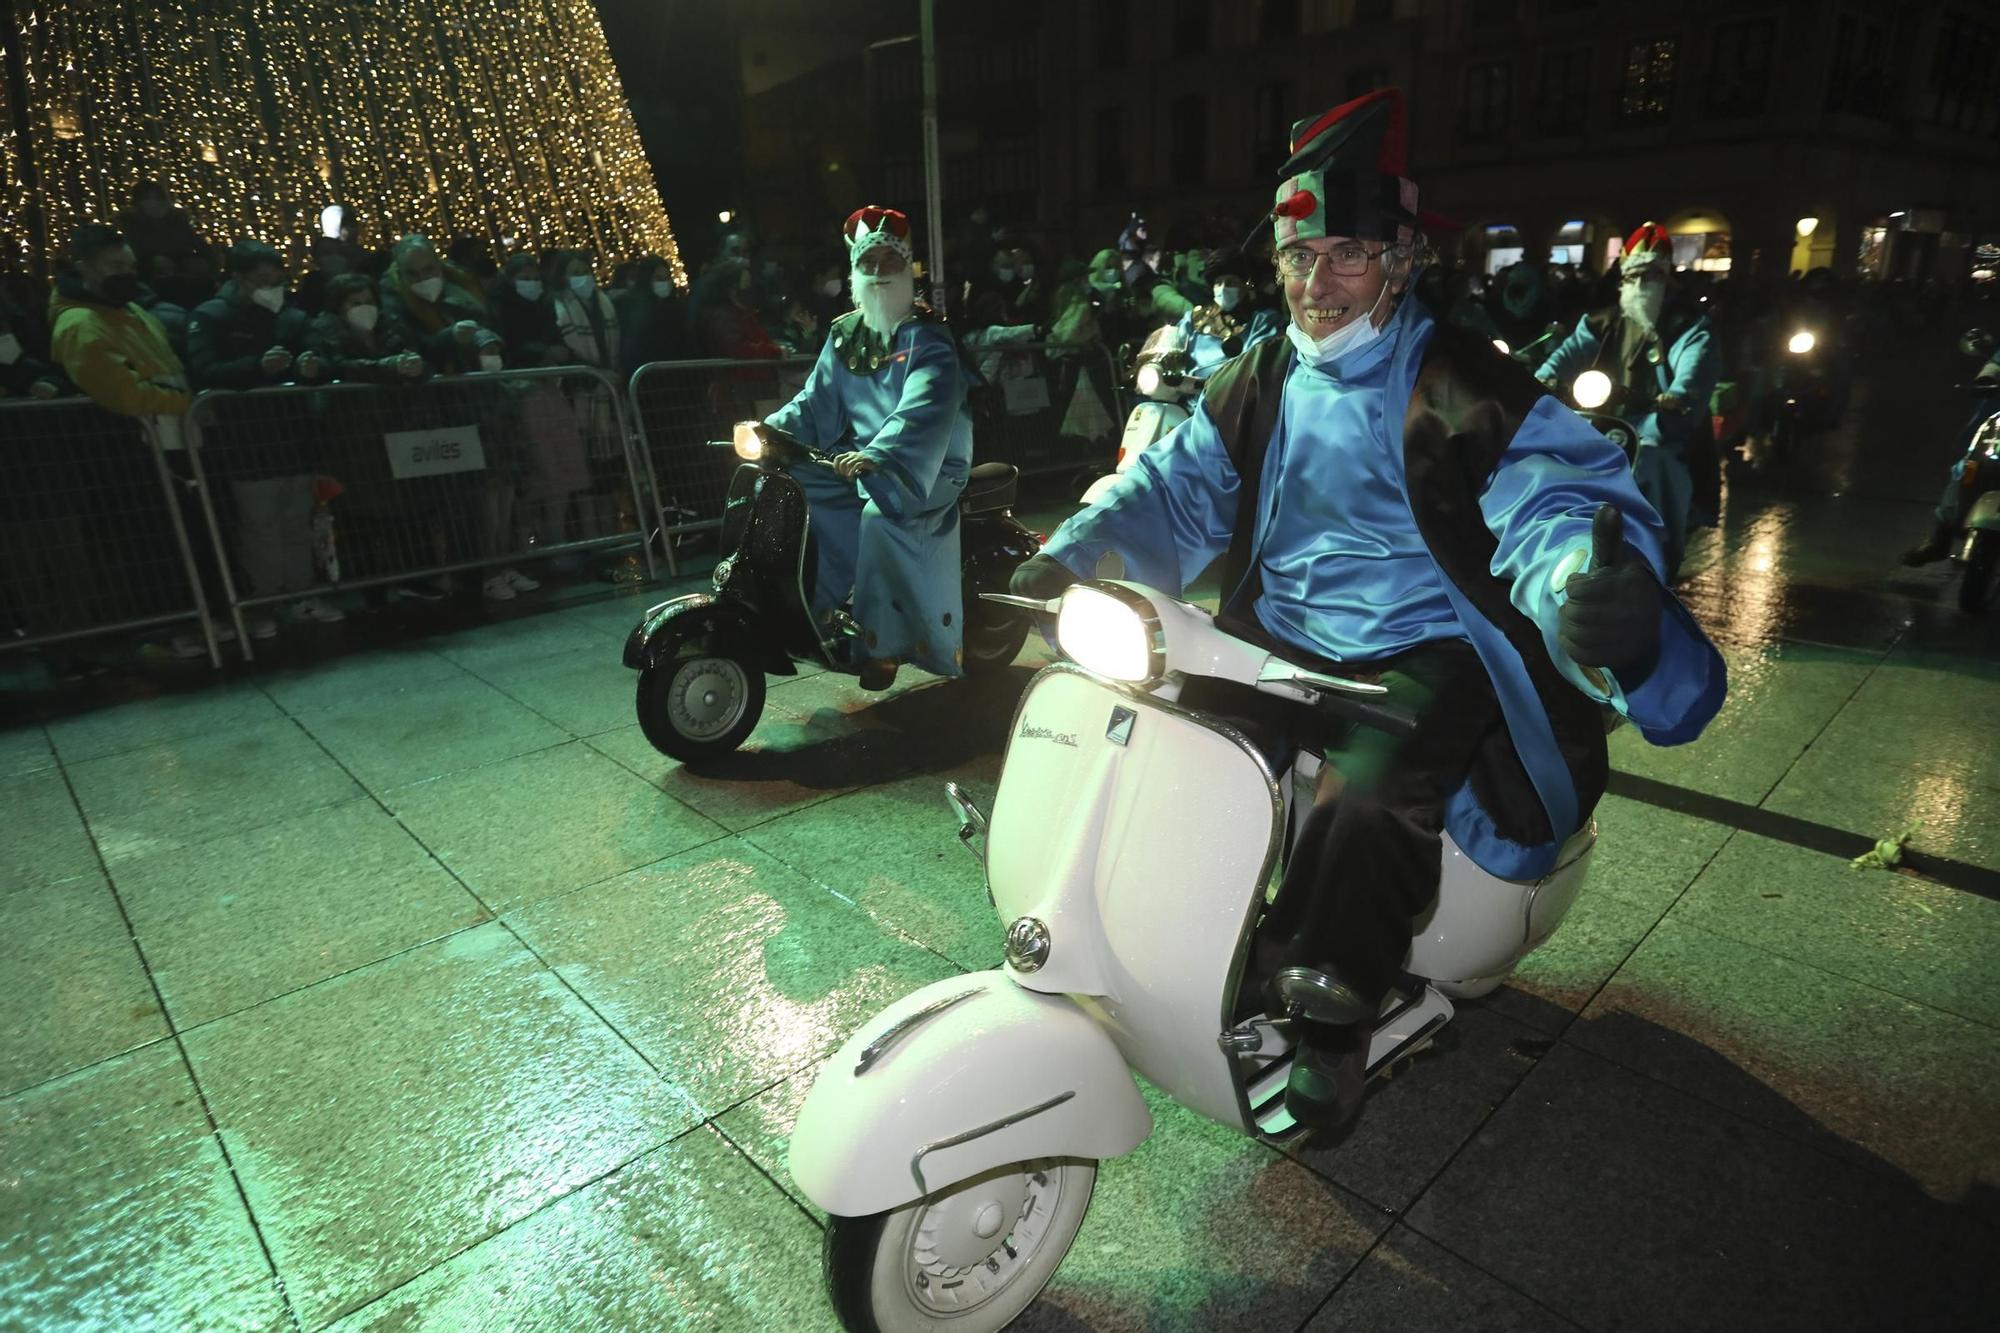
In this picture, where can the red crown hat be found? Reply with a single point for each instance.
(1346, 175)
(872, 225)
(1648, 247)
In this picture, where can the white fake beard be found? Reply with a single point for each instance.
(1641, 304)
(885, 302)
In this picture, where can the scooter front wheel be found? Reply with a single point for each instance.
(699, 704)
(968, 1259)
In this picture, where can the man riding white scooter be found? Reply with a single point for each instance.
(1398, 500)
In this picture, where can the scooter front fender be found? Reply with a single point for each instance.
(701, 615)
(1984, 516)
(956, 1079)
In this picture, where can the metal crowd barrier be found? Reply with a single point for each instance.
(434, 477)
(682, 405)
(1050, 407)
(93, 537)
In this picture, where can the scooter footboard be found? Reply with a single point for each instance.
(963, 1076)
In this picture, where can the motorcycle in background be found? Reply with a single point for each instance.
(1977, 552)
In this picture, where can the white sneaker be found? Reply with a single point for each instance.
(188, 645)
(319, 609)
(498, 589)
(518, 581)
(261, 627)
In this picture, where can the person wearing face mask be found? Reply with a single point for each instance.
(1662, 358)
(1393, 498)
(1230, 324)
(586, 321)
(890, 387)
(439, 310)
(652, 317)
(525, 316)
(109, 346)
(250, 336)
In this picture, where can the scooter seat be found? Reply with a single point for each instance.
(990, 486)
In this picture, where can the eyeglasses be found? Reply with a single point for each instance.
(1346, 261)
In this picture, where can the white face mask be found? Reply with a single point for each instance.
(1228, 297)
(1027, 272)
(830, 288)
(363, 317)
(1348, 338)
(271, 298)
(886, 301)
(429, 289)
(490, 361)
(583, 285)
(528, 289)
(10, 349)
(663, 290)
(1004, 274)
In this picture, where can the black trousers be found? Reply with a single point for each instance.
(1367, 856)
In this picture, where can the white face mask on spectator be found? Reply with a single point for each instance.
(1228, 295)
(271, 298)
(663, 289)
(529, 289)
(363, 317)
(830, 288)
(1027, 272)
(490, 361)
(429, 289)
(10, 349)
(1004, 274)
(583, 285)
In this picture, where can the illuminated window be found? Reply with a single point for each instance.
(1646, 83)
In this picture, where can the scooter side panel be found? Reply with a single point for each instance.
(1141, 838)
(966, 1075)
(1480, 927)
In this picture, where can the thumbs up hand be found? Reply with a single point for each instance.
(1612, 616)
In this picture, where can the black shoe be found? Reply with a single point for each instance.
(1329, 1076)
(878, 675)
(1933, 548)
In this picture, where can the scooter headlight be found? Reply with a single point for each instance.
(1801, 342)
(1113, 632)
(1591, 390)
(749, 445)
(1148, 380)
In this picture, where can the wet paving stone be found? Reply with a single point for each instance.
(1706, 1220)
(391, 742)
(76, 989)
(120, 1209)
(157, 721)
(725, 967)
(1411, 1282)
(46, 839)
(1835, 1064)
(688, 1237)
(25, 750)
(387, 1119)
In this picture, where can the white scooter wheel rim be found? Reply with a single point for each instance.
(706, 697)
(983, 1250)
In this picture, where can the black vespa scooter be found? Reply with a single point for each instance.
(702, 658)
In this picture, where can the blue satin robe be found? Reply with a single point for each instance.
(1348, 576)
(891, 536)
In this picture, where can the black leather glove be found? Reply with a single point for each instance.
(1612, 616)
(1040, 577)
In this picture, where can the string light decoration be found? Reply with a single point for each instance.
(499, 119)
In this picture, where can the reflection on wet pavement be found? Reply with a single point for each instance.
(415, 990)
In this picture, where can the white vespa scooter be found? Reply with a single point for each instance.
(954, 1139)
(1165, 377)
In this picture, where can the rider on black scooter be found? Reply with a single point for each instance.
(889, 392)
(1396, 498)
(1944, 532)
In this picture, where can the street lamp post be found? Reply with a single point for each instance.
(933, 186)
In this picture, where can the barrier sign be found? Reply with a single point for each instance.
(431, 453)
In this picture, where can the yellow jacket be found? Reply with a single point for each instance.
(119, 355)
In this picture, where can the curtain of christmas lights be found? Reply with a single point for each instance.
(501, 119)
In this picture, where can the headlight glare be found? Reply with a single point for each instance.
(1148, 379)
(1108, 635)
(748, 445)
(1591, 389)
(1801, 343)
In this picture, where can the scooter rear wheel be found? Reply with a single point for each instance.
(966, 1260)
(699, 704)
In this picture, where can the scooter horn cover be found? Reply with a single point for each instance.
(1347, 174)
